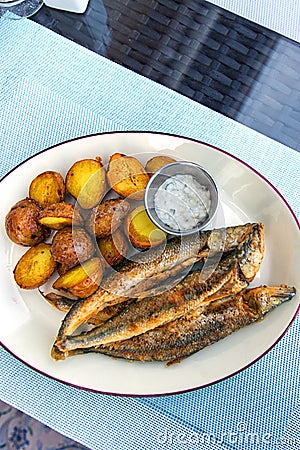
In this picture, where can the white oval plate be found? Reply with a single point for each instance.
(29, 324)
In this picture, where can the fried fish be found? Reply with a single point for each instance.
(231, 275)
(210, 323)
(140, 277)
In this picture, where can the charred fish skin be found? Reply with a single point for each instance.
(84, 309)
(190, 294)
(263, 299)
(154, 266)
(187, 335)
(252, 252)
(107, 313)
(227, 239)
(150, 312)
(218, 240)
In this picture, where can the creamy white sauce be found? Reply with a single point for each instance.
(181, 202)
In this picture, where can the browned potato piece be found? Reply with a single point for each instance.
(127, 176)
(21, 223)
(157, 162)
(113, 248)
(60, 215)
(35, 267)
(71, 246)
(81, 281)
(107, 217)
(47, 188)
(142, 232)
(63, 268)
(86, 182)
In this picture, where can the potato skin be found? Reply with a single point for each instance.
(82, 280)
(127, 176)
(47, 188)
(60, 215)
(35, 267)
(113, 248)
(22, 225)
(106, 218)
(63, 268)
(71, 246)
(157, 162)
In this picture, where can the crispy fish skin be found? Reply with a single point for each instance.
(228, 238)
(150, 312)
(64, 304)
(183, 337)
(231, 275)
(149, 270)
(136, 277)
(113, 310)
(252, 252)
(143, 315)
(222, 239)
(216, 241)
(109, 312)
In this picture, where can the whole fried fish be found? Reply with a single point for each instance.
(205, 326)
(139, 277)
(136, 278)
(231, 275)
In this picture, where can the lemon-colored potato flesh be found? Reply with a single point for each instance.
(55, 222)
(86, 181)
(77, 274)
(142, 231)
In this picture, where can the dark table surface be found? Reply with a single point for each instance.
(233, 66)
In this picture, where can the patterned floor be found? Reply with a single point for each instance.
(210, 55)
(20, 432)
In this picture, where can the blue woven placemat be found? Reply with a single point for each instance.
(282, 17)
(52, 90)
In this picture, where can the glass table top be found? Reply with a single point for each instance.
(214, 57)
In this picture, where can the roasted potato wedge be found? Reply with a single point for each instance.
(22, 225)
(47, 188)
(60, 215)
(106, 218)
(142, 232)
(113, 248)
(35, 267)
(71, 246)
(81, 281)
(127, 176)
(157, 162)
(86, 182)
